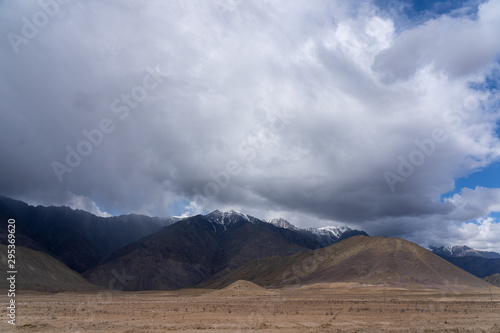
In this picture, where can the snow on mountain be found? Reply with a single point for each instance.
(226, 218)
(172, 219)
(462, 251)
(323, 231)
(324, 235)
(232, 216)
(329, 231)
(282, 223)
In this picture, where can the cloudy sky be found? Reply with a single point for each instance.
(380, 115)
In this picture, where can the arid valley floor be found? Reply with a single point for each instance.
(245, 307)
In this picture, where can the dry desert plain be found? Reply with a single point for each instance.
(245, 307)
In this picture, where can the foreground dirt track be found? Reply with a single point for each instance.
(320, 308)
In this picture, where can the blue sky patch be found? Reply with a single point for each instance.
(488, 177)
(409, 13)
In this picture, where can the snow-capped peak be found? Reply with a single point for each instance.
(330, 230)
(462, 251)
(455, 250)
(226, 218)
(282, 223)
(449, 248)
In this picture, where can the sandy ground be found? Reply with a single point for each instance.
(322, 308)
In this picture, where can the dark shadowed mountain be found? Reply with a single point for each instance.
(197, 249)
(476, 262)
(478, 266)
(462, 251)
(75, 237)
(368, 260)
(41, 272)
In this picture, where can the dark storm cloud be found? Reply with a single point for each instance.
(299, 109)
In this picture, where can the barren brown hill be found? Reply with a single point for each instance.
(368, 260)
(242, 288)
(242, 285)
(40, 272)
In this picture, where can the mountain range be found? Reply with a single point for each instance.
(462, 251)
(203, 248)
(479, 263)
(59, 245)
